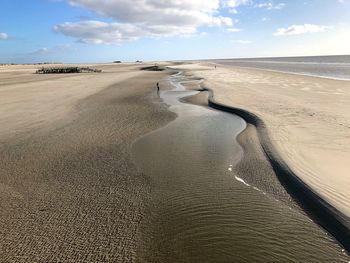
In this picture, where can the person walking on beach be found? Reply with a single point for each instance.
(157, 87)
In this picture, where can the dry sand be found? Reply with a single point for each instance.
(308, 120)
(69, 190)
(28, 100)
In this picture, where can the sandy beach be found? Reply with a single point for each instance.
(69, 189)
(307, 119)
(95, 167)
(177, 131)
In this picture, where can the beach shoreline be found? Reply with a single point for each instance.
(253, 173)
(307, 119)
(320, 210)
(327, 216)
(292, 73)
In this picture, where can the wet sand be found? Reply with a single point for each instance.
(325, 200)
(69, 189)
(211, 203)
(286, 107)
(307, 119)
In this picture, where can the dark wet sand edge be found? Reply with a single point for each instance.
(319, 210)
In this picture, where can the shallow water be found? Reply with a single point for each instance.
(202, 211)
(334, 67)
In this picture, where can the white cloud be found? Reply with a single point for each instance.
(233, 4)
(147, 18)
(157, 12)
(234, 30)
(271, 6)
(3, 36)
(241, 41)
(96, 32)
(300, 29)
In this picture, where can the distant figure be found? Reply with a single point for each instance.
(215, 66)
(158, 87)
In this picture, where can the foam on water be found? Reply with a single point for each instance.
(241, 180)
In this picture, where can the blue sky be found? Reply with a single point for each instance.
(107, 30)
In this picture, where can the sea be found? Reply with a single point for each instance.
(333, 67)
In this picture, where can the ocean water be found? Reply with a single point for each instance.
(334, 67)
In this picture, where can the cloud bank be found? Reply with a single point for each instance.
(147, 18)
(233, 4)
(300, 29)
(241, 41)
(271, 6)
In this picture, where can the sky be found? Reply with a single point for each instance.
(73, 31)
